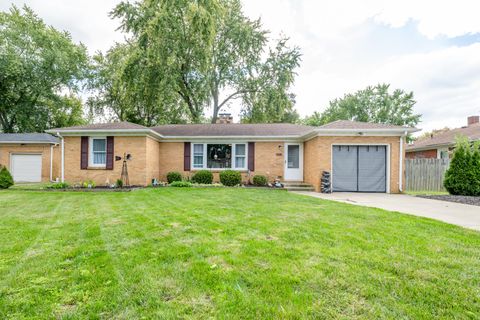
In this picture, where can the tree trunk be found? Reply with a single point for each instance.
(215, 105)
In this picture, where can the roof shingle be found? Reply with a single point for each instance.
(347, 124)
(233, 129)
(104, 126)
(28, 138)
(472, 132)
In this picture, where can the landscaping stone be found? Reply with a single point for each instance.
(475, 201)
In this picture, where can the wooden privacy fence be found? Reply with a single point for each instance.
(425, 174)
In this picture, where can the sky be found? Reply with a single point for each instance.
(429, 47)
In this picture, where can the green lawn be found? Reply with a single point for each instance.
(227, 253)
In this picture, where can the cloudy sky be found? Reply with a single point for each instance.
(429, 47)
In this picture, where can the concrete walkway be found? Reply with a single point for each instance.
(463, 215)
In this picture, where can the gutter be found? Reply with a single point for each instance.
(400, 164)
(62, 168)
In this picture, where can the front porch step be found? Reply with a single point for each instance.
(297, 186)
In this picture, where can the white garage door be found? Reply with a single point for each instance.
(27, 167)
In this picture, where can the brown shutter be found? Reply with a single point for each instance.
(84, 153)
(251, 156)
(186, 156)
(109, 164)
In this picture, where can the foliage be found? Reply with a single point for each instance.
(260, 180)
(6, 179)
(207, 53)
(230, 178)
(463, 175)
(41, 70)
(248, 251)
(174, 176)
(119, 183)
(58, 185)
(89, 184)
(373, 104)
(202, 176)
(181, 184)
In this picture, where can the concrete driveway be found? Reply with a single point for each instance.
(463, 215)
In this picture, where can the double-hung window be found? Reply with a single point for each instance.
(219, 156)
(98, 152)
(198, 155)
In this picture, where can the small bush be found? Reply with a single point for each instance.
(119, 183)
(230, 178)
(463, 175)
(173, 176)
(58, 185)
(6, 179)
(202, 176)
(181, 184)
(89, 184)
(260, 180)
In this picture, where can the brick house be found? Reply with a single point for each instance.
(440, 146)
(361, 156)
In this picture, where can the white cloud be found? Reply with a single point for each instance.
(346, 45)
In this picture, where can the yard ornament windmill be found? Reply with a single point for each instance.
(124, 176)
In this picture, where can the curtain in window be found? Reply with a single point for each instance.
(198, 155)
(99, 151)
(240, 153)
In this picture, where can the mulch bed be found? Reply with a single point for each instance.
(475, 201)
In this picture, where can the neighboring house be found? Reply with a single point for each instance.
(361, 156)
(440, 145)
(29, 156)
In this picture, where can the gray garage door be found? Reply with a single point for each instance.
(359, 168)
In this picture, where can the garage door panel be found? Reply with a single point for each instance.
(344, 168)
(26, 167)
(372, 168)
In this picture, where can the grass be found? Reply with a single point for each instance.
(228, 253)
(426, 193)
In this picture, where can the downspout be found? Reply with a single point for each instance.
(400, 164)
(51, 162)
(62, 168)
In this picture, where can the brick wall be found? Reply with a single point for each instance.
(268, 160)
(137, 167)
(44, 149)
(318, 154)
(422, 154)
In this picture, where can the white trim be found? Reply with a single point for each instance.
(91, 155)
(28, 142)
(63, 158)
(300, 161)
(388, 159)
(205, 160)
(400, 166)
(51, 163)
(110, 132)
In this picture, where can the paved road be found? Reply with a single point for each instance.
(467, 216)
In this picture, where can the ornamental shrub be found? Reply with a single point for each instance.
(463, 175)
(173, 176)
(6, 180)
(181, 184)
(230, 178)
(260, 180)
(58, 185)
(203, 176)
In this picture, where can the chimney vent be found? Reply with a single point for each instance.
(224, 118)
(473, 120)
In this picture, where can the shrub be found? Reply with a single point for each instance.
(89, 184)
(119, 183)
(174, 176)
(203, 176)
(181, 184)
(463, 175)
(260, 180)
(58, 185)
(230, 178)
(6, 180)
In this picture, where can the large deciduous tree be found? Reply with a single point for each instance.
(373, 104)
(207, 53)
(40, 71)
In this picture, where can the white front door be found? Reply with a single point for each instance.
(26, 167)
(293, 162)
